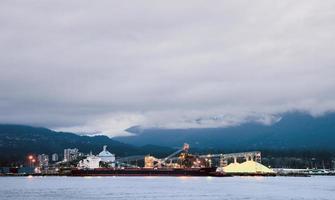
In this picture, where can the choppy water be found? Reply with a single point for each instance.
(203, 188)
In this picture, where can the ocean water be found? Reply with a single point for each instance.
(200, 188)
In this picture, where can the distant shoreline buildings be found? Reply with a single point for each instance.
(70, 154)
(43, 161)
(55, 157)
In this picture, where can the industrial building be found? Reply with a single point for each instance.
(92, 161)
(106, 156)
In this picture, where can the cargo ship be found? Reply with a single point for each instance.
(185, 164)
(147, 172)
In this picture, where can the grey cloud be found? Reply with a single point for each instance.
(104, 66)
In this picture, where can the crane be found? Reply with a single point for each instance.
(163, 161)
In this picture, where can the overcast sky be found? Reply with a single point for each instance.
(104, 66)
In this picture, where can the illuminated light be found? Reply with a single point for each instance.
(30, 157)
(33, 160)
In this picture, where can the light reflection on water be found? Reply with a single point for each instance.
(263, 188)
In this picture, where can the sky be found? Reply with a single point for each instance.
(104, 66)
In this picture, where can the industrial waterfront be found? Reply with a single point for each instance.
(179, 163)
(261, 188)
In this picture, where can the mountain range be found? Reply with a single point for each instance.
(294, 131)
(18, 141)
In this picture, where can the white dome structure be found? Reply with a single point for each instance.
(106, 156)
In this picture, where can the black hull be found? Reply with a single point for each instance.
(146, 172)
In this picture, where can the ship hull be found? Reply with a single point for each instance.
(146, 172)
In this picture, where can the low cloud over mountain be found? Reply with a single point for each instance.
(295, 131)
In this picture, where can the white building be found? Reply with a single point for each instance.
(70, 154)
(43, 161)
(91, 162)
(54, 157)
(107, 157)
